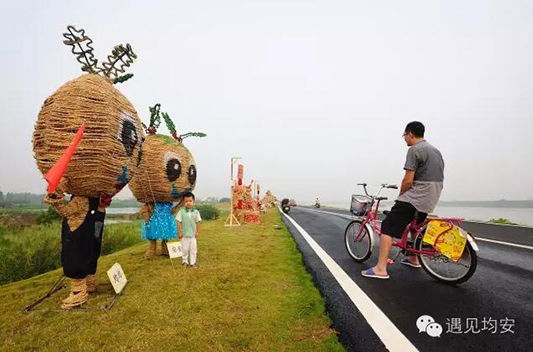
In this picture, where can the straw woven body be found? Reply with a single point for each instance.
(250, 206)
(269, 200)
(78, 294)
(247, 194)
(238, 193)
(108, 154)
(167, 169)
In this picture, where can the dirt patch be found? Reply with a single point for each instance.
(319, 333)
(17, 221)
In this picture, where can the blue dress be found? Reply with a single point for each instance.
(162, 225)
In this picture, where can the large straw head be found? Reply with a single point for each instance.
(167, 169)
(110, 150)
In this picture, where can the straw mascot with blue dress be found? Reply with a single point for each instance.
(167, 170)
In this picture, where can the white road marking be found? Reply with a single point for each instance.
(351, 217)
(504, 243)
(389, 334)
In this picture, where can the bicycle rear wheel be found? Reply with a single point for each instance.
(445, 270)
(361, 249)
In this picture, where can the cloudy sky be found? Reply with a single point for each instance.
(313, 95)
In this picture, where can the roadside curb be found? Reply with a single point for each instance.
(354, 332)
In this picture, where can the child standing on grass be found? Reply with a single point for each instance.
(189, 230)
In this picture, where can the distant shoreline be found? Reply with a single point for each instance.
(489, 204)
(517, 204)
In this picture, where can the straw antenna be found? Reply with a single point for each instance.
(155, 120)
(81, 47)
(121, 57)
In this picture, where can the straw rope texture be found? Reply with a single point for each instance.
(167, 169)
(91, 283)
(110, 150)
(74, 211)
(78, 294)
(269, 200)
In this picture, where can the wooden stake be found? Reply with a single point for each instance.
(232, 219)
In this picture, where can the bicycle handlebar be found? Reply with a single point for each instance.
(383, 185)
(364, 187)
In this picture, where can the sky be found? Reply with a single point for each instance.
(312, 95)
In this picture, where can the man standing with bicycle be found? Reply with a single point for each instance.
(419, 194)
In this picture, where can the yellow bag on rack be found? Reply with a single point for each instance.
(448, 239)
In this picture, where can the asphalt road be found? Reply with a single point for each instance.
(493, 311)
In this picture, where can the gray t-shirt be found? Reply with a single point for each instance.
(427, 163)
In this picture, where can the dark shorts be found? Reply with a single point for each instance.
(81, 248)
(400, 216)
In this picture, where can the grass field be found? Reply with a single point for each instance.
(251, 293)
(36, 249)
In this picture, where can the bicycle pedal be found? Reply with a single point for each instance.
(390, 261)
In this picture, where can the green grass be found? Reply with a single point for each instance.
(22, 210)
(36, 249)
(224, 209)
(208, 211)
(251, 293)
(502, 221)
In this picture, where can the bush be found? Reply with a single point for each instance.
(502, 221)
(224, 200)
(48, 217)
(208, 212)
(120, 236)
(37, 249)
(29, 252)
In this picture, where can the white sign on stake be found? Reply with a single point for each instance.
(117, 277)
(174, 249)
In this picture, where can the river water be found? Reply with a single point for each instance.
(122, 210)
(522, 216)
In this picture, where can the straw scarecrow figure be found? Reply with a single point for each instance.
(269, 200)
(247, 197)
(100, 166)
(251, 212)
(167, 170)
(238, 196)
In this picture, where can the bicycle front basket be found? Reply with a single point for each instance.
(360, 204)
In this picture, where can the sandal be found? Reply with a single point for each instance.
(406, 261)
(370, 273)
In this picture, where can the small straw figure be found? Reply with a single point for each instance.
(101, 165)
(251, 213)
(238, 194)
(270, 200)
(166, 171)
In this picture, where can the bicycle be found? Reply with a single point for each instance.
(360, 233)
(285, 207)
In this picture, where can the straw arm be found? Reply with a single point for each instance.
(74, 211)
(146, 211)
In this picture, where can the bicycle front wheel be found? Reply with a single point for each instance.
(444, 269)
(359, 249)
